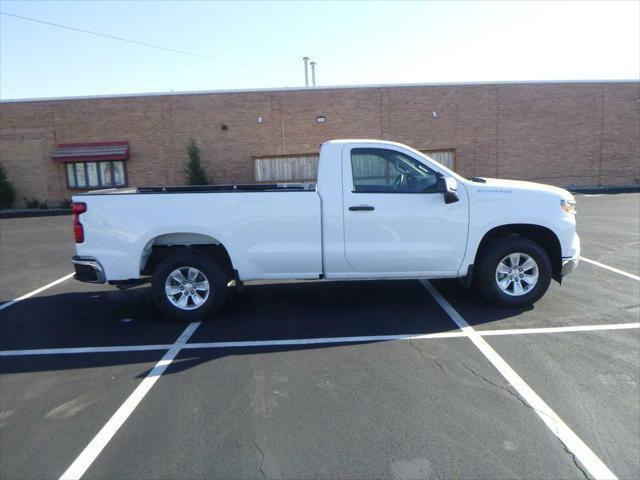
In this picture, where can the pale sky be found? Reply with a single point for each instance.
(261, 44)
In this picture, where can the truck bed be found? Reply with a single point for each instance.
(269, 231)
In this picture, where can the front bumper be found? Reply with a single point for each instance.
(88, 269)
(570, 263)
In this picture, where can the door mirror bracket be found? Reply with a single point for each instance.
(448, 187)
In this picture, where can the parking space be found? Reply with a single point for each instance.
(72, 314)
(33, 252)
(609, 229)
(589, 296)
(383, 410)
(52, 405)
(591, 380)
(326, 309)
(345, 379)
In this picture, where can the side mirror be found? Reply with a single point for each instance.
(449, 187)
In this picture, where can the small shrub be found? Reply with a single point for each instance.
(31, 203)
(35, 204)
(194, 172)
(7, 190)
(65, 204)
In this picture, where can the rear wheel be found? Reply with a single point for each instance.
(513, 271)
(189, 285)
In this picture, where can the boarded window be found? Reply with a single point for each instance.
(284, 169)
(443, 157)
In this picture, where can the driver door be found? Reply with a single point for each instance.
(395, 222)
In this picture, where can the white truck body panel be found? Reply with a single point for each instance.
(510, 202)
(268, 235)
(313, 234)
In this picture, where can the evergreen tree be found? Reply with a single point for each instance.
(194, 171)
(7, 191)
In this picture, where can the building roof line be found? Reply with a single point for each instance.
(328, 87)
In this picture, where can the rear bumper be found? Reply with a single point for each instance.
(569, 266)
(570, 263)
(88, 269)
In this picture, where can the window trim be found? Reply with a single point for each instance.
(393, 150)
(100, 180)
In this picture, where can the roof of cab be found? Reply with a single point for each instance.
(343, 141)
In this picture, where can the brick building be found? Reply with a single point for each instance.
(579, 133)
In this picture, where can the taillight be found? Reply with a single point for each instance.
(78, 231)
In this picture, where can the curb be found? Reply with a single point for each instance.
(603, 190)
(52, 212)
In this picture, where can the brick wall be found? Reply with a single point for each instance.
(563, 133)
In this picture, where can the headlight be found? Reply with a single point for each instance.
(568, 206)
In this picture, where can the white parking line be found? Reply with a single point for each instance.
(239, 344)
(326, 341)
(596, 467)
(613, 269)
(315, 341)
(577, 328)
(77, 350)
(91, 452)
(35, 292)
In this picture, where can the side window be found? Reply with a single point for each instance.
(380, 170)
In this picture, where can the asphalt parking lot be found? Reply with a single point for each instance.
(399, 380)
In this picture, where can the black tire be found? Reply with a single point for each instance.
(212, 271)
(485, 272)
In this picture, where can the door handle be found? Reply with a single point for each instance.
(362, 208)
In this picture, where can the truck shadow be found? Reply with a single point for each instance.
(300, 310)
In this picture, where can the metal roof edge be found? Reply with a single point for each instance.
(310, 89)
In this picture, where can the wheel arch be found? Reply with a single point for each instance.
(160, 246)
(544, 236)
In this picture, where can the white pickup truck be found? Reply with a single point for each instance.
(380, 210)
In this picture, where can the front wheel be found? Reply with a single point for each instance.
(189, 286)
(513, 271)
